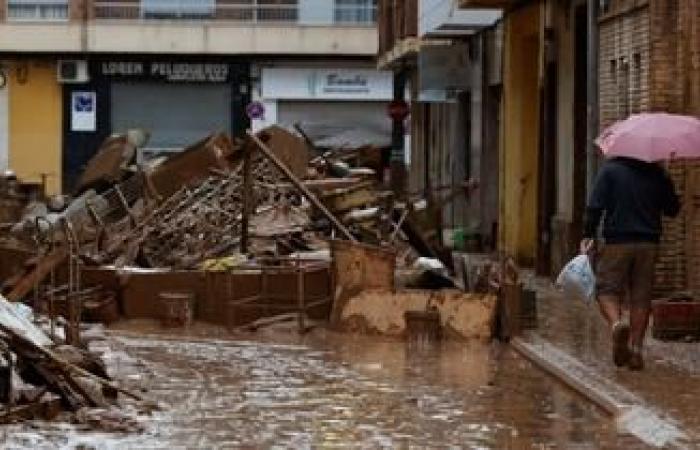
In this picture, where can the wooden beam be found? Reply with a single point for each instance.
(247, 197)
(299, 185)
(42, 269)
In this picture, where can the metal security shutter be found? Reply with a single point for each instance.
(322, 119)
(175, 114)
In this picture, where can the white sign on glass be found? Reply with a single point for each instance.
(84, 111)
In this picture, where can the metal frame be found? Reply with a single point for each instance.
(271, 267)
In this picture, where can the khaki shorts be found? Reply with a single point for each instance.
(627, 269)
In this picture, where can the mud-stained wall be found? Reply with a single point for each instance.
(519, 155)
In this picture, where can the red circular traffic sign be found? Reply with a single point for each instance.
(398, 109)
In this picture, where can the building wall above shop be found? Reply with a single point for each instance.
(293, 27)
(193, 38)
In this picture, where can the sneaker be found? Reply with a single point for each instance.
(635, 361)
(620, 336)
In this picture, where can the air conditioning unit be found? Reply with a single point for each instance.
(73, 71)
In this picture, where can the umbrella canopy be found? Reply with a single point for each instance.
(652, 137)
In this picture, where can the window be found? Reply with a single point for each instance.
(37, 10)
(615, 88)
(624, 87)
(277, 10)
(637, 83)
(355, 11)
(178, 9)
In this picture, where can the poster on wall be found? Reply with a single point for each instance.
(84, 111)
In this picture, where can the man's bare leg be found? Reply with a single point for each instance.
(611, 310)
(639, 320)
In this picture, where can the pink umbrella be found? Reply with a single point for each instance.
(652, 137)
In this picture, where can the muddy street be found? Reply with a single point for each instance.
(329, 391)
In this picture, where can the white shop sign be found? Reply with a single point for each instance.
(326, 84)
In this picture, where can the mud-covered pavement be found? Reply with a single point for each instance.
(331, 391)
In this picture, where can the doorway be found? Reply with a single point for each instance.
(580, 124)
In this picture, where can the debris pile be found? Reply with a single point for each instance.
(239, 233)
(42, 377)
(223, 206)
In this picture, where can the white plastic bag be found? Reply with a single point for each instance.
(577, 279)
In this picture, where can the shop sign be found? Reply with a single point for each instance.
(326, 84)
(167, 71)
(84, 111)
(344, 83)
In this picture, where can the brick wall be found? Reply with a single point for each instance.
(385, 24)
(397, 20)
(675, 54)
(650, 60)
(624, 61)
(675, 87)
(77, 9)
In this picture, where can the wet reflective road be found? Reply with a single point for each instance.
(670, 381)
(331, 391)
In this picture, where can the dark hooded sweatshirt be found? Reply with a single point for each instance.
(631, 196)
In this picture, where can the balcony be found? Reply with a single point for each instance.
(302, 27)
(444, 19)
(499, 4)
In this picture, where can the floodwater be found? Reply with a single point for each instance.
(334, 391)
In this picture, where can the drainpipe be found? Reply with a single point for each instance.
(398, 168)
(86, 6)
(592, 93)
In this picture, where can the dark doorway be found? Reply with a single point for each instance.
(580, 125)
(547, 158)
(490, 166)
(461, 206)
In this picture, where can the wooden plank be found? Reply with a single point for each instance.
(247, 196)
(342, 202)
(47, 410)
(325, 184)
(40, 271)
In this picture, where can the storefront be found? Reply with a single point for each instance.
(177, 102)
(325, 101)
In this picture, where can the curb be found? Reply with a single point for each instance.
(628, 410)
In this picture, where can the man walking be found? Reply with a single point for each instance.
(630, 196)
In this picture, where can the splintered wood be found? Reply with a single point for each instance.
(203, 222)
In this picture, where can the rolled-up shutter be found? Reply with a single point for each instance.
(176, 115)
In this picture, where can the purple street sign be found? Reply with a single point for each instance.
(255, 110)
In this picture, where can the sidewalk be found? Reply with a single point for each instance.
(670, 382)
